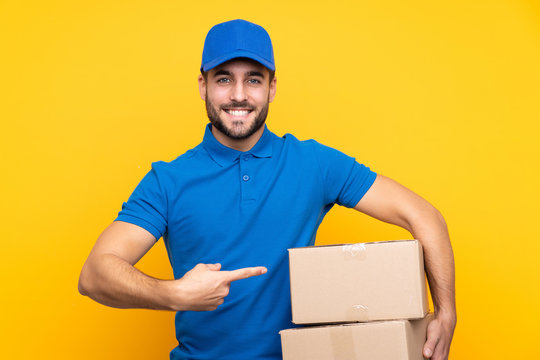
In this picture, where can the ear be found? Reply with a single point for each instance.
(202, 87)
(272, 92)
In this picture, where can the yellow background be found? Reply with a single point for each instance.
(442, 96)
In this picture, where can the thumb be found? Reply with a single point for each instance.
(432, 340)
(214, 267)
(427, 351)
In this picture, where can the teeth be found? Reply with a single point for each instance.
(238, 112)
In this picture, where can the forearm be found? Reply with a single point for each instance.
(431, 230)
(112, 281)
(395, 204)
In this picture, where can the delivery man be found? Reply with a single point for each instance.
(229, 209)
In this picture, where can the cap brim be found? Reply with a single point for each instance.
(238, 54)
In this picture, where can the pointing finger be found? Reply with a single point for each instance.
(245, 273)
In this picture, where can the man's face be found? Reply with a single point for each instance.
(237, 94)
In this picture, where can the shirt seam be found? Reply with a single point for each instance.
(321, 173)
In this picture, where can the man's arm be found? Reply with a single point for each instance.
(391, 202)
(110, 278)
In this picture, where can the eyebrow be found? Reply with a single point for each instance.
(228, 73)
(222, 72)
(255, 73)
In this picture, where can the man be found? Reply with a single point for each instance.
(229, 208)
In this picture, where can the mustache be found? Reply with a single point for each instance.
(237, 105)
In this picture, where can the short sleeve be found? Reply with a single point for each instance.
(147, 205)
(346, 181)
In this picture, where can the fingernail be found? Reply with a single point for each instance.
(264, 270)
(428, 352)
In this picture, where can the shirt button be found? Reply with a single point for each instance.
(245, 177)
(246, 158)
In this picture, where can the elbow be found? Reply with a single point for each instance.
(425, 215)
(82, 286)
(84, 282)
(439, 217)
(82, 290)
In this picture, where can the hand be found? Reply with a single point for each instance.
(439, 336)
(205, 287)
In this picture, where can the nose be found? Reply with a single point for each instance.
(238, 92)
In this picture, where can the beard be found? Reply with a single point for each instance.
(239, 130)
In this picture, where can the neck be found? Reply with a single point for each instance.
(238, 144)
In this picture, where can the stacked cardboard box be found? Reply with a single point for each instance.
(373, 294)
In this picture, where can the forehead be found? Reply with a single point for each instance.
(240, 66)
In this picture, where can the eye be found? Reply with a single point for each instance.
(254, 81)
(223, 81)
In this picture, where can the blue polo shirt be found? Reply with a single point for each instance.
(215, 204)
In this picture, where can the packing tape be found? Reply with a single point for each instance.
(354, 251)
(342, 342)
(358, 312)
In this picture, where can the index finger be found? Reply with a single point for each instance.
(245, 273)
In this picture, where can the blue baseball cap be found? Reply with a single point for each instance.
(235, 39)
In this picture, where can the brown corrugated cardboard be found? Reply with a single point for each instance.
(358, 282)
(379, 340)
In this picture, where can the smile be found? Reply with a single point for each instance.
(235, 112)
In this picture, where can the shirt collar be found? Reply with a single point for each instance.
(224, 155)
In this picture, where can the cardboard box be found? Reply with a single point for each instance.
(358, 282)
(379, 340)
